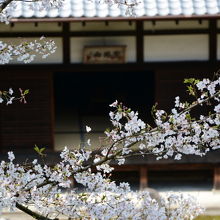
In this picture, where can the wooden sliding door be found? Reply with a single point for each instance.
(24, 125)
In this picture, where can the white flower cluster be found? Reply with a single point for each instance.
(7, 96)
(176, 133)
(39, 186)
(26, 51)
(208, 88)
(181, 206)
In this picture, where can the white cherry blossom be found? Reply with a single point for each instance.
(26, 51)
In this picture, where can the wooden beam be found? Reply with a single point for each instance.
(175, 32)
(187, 66)
(216, 178)
(143, 177)
(163, 166)
(102, 33)
(127, 168)
(30, 34)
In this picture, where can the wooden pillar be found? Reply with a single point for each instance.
(139, 42)
(216, 178)
(213, 41)
(143, 177)
(66, 43)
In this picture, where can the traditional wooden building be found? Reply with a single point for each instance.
(164, 43)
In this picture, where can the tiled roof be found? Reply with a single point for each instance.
(90, 9)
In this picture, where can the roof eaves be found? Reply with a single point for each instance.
(143, 18)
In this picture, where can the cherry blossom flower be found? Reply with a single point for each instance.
(88, 129)
(26, 51)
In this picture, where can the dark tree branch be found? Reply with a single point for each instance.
(32, 213)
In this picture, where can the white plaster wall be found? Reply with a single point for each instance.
(56, 57)
(26, 27)
(171, 25)
(78, 43)
(101, 26)
(176, 47)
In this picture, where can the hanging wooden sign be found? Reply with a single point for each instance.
(104, 54)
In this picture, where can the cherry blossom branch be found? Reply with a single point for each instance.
(134, 152)
(7, 96)
(174, 134)
(33, 214)
(5, 4)
(26, 50)
(197, 103)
